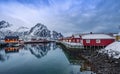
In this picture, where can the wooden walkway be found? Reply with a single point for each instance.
(72, 45)
(30, 42)
(78, 46)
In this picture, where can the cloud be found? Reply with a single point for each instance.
(66, 16)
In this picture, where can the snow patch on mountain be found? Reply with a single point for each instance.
(22, 29)
(4, 29)
(4, 24)
(37, 31)
(56, 35)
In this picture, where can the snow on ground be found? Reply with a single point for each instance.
(113, 50)
(74, 44)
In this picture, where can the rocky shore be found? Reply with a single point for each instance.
(101, 63)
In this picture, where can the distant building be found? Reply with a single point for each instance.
(11, 39)
(117, 37)
(73, 39)
(90, 39)
(66, 39)
(11, 49)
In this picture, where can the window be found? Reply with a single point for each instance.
(66, 40)
(87, 41)
(81, 41)
(78, 40)
(98, 41)
(69, 40)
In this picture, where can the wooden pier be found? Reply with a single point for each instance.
(70, 46)
(37, 41)
(78, 46)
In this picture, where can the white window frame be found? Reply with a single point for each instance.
(98, 41)
(69, 40)
(87, 40)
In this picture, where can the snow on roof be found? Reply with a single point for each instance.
(119, 34)
(113, 49)
(97, 36)
(76, 36)
(70, 43)
(115, 34)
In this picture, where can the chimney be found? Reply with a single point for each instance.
(90, 32)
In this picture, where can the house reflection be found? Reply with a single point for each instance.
(38, 50)
(12, 49)
(77, 59)
(3, 56)
(4, 52)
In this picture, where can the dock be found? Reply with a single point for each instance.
(71, 45)
(37, 41)
(75, 46)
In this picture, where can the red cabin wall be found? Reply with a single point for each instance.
(75, 40)
(103, 42)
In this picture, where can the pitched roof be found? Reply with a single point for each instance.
(11, 37)
(97, 36)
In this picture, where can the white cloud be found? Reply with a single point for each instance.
(66, 16)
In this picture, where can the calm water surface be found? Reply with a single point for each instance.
(40, 59)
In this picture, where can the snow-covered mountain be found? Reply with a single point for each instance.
(56, 35)
(21, 31)
(3, 29)
(4, 24)
(39, 30)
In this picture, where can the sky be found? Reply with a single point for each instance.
(65, 16)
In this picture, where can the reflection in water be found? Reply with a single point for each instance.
(3, 56)
(50, 59)
(76, 59)
(11, 49)
(92, 60)
(38, 50)
(33, 59)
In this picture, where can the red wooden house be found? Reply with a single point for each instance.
(11, 39)
(97, 39)
(67, 39)
(73, 39)
(76, 38)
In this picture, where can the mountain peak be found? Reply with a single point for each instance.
(40, 25)
(39, 30)
(4, 24)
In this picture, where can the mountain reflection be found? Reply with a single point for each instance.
(38, 50)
